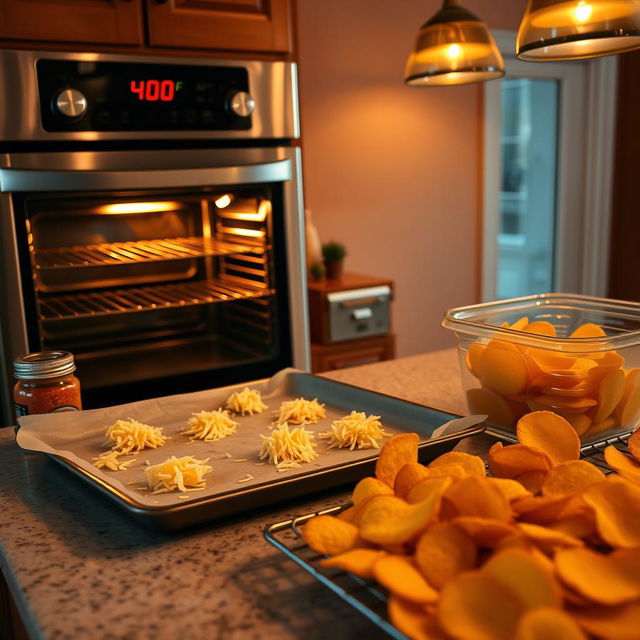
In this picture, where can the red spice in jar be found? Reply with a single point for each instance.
(45, 383)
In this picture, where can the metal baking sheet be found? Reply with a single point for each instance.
(73, 439)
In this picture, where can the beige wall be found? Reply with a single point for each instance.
(394, 172)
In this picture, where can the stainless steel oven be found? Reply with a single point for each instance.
(150, 217)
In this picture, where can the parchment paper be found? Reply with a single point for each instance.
(79, 437)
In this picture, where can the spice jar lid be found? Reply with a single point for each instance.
(43, 364)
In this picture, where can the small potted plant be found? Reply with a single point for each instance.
(317, 271)
(333, 254)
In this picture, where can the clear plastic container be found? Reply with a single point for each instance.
(577, 356)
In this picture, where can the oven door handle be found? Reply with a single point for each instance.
(13, 180)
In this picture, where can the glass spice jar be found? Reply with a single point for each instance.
(45, 383)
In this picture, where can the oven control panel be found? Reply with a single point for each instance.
(82, 95)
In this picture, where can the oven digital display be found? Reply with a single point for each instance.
(153, 90)
(121, 96)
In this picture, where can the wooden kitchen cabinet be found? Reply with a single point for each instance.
(335, 343)
(91, 21)
(238, 25)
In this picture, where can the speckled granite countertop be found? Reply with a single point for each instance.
(79, 569)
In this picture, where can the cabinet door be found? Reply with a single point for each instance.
(91, 21)
(239, 25)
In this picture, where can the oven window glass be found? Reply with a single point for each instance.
(181, 290)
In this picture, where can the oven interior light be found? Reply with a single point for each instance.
(249, 233)
(138, 207)
(252, 216)
(223, 201)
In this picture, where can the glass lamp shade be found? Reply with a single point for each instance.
(454, 47)
(576, 29)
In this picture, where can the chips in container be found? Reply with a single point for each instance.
(576, 356)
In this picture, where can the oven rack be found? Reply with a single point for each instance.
(116, 253)
(149, 298)
(367, 596)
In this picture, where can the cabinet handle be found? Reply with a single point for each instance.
(161, 1)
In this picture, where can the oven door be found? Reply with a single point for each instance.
(162, 271)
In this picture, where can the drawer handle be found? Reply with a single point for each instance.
(361, 314)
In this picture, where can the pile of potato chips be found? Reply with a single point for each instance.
(592, 391)
(548, 548)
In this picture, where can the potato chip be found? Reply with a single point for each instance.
(520, 324)
(489, 403)
(631, 376)
(611, 623)
(473, 465)
(391, 520)
(606, 364)
(516, 459)
(473, 496)
(574, 599)
(565, 404)
(625, 465)
(634, 444)
(328, 534)
(485, 532)
(504, 368)
(616, 504)
(528, 577)
(369, 487)
(409, 476)
(610, 393)
(474, 606)
(453, 471)
(428, 487)
(570, 478)
(630, 413)
(581, 525)
(575, 392)
(541, 328)
(547, 539)
(579, 421)
(588, 330)
(532, 481)
(395, 453)
(610, 580)
(546, 509)
(443, 552)
(413, 620)
(402, 578)
(357, 561)
(550, 433)
(474, 358)
(510, 489)
(599, 427)
(548, 623)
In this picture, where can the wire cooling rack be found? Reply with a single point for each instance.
(367, 596)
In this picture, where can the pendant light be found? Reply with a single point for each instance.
(454, 47)
(576, 29)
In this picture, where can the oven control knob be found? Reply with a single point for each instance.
(242, 104)
(70, 103)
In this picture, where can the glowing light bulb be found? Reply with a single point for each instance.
(583, 11)
(454, 51)
(223, 201)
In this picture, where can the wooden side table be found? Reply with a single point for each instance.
(350, 322)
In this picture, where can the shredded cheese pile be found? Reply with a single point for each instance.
(131, 436)
(210, 425)
(185, 474)
(286, 448)
(300, 411)
(109, 459)
(248, 401)
(355, 430)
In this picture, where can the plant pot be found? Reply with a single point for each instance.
(334, 269)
